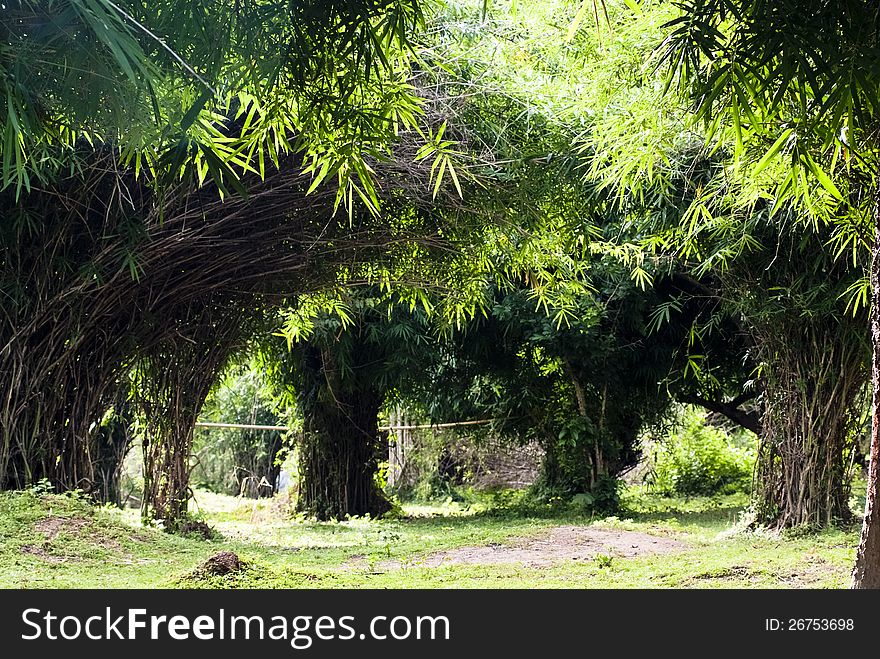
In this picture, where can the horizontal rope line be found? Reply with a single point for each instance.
(246, 426)
(242, 426)
(438, 425)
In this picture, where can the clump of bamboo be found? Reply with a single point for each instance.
(100, 275)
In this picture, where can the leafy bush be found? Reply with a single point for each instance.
(436, 467)
(700, 459)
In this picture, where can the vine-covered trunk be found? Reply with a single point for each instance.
(166, 471)
(63, 341)
(338, 461)
(341, 447)
(814, 387)
(866, 573)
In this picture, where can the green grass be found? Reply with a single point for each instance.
(52, 541)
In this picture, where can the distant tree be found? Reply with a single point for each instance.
(338, 371)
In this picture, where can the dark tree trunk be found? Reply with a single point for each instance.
(866, 573)
(339, 398)
(339, 456)
(172, 412)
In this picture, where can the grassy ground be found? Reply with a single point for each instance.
(51, 541)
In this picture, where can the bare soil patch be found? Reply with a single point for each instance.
(40, 552)
(77, 527)
(561, 543)
(52, 526)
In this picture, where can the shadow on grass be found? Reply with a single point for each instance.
(728, 515)
(522, 515)
(637, 506)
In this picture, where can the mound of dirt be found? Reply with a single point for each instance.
(561, 543)
(226, 562)
(227, 570)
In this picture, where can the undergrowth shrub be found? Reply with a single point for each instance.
(701, 459)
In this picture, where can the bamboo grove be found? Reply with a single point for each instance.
(676, 203)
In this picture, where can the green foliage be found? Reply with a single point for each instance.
(783, 96)
(583, 391)
(701, 460)
(557, 321)
(207, 89)
(801, 76)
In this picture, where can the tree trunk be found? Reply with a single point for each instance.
(339, 457)
(814, 387)
(342, 446)
(173, 383)
(866, 573)
(171, 415)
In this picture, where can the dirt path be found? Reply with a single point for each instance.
(561, 543)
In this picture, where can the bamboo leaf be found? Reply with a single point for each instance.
(822, 177)
(771, 153)
(439, 178)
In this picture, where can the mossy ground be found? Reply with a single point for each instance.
(52, 541)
